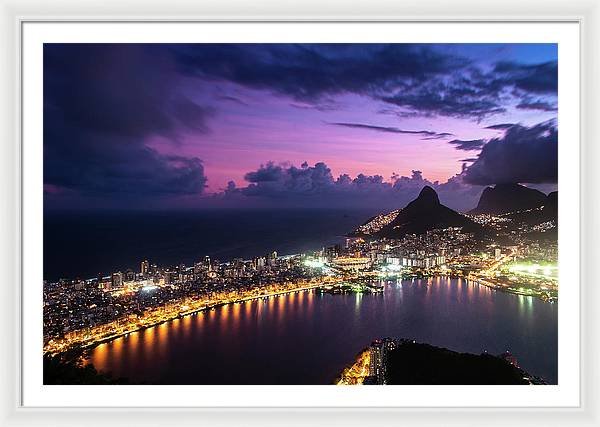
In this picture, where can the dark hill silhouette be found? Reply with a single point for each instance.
(426, 213)
(505, 198)
(425, 364)
(550, 210)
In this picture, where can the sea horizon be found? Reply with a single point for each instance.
(73, 241)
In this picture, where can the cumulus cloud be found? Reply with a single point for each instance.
(101, 104)
(523, 154)
(315, 186)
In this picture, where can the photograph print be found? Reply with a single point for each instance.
(300, 214)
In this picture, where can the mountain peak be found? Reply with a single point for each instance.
(508, 197)
(428, 195)
(423, 214)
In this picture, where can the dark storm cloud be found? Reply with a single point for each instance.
(473, 93)
(95, 164)
(101, 103)
(309, 72)
(537, 78)
(315, 186)
(191, 115)
(418, 78)
(470, 145)
(453, 97)
(537, 105)
(523, 155)
(390, 129)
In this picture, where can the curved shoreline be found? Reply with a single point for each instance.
(85, 347)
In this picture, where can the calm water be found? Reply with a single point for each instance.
(85, 245)
(307, 338)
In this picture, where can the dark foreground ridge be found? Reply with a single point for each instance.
(425, 364)
(70, 370)
(406, 362)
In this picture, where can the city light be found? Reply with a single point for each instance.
(314, 263)
(114, 305)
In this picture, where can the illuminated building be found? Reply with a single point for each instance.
(199, 269)
(104, 283)
(272, 258)
(171, 277)
(423, 261)
(258, 263)
(117, 280)
(144, 268)
(377, 362)
(351, 263)
(332, 251)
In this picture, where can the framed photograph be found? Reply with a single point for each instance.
(350, 219)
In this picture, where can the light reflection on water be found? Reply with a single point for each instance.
(307, 338)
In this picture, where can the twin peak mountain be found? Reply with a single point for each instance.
(427, 213)
(505, 198)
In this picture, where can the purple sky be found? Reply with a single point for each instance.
(193, 126)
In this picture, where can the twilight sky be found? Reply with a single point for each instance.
(280, 125)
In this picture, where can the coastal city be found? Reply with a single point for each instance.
(82, 313)
(301, 214)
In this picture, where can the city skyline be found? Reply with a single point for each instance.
(276, 125)
(425, 253)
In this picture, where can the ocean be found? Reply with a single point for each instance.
(84, 245)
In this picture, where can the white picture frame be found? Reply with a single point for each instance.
(15, 14)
